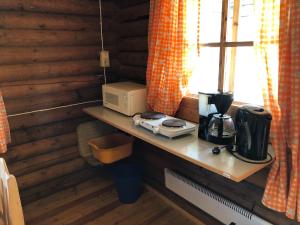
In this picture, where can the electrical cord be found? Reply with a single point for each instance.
(229, 148)
(101, 33)
(138, 113)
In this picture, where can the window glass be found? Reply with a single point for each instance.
(247, 86)
(210, 16)
(245, 21)
(206, 73)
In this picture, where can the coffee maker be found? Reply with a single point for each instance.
(214, 124)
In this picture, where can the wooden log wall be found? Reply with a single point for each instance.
(133, 17)
(49, 59)
(132, 45)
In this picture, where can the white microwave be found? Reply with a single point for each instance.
(125, 97)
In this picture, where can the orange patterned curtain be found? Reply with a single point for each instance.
(266, 45)
(172, 46)
(279, 34)
(289, 95)
(4, 127)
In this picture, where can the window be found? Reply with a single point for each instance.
(227, 56)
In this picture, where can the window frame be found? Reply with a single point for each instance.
(223, 44)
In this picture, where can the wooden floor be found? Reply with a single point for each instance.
(95, 202)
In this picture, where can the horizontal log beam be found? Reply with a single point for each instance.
(129, 3)
(133, 44)
(136, 73)
(24, 55)
(32, 134)
(27, 20)
(21, 72)
(83, 78)
(21, 38)
(133, 58)
(21, 105)
(14, 90)
(25, 151)
(45, 117)
(87, 7)
(34, 71)
(133, 29)
(134, 12)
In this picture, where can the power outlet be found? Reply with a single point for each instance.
(104, 58)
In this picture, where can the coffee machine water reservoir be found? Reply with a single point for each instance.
(206, 110)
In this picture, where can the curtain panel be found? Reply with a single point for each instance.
(278, 50)
(289, 95)
(4, 127)
(172, 43)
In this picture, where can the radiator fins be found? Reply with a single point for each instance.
(173, 182)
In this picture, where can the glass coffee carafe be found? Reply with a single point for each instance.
(221, 129)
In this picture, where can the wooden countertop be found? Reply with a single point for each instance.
(189, 147)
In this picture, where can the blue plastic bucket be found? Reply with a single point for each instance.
(128, 181)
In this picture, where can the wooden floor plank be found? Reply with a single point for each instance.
(156, 216)
(84, 209)
(61, 198)
(56, 185)
(176, 207)
(71, 206)
(121, 213)
(95, 214)
(95, 202)
(146, 214)
(171, 217)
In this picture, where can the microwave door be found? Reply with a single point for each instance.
(112, 101)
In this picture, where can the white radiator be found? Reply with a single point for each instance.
(222, 209)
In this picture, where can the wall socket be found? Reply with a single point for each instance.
(104, 58)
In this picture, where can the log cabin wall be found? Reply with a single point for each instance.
(132, 57)
(48, 59)
(132, 45)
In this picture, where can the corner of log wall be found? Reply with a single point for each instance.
(49, 58)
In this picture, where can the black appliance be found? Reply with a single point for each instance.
(253, 127)
(214, 125)
(206, 110)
